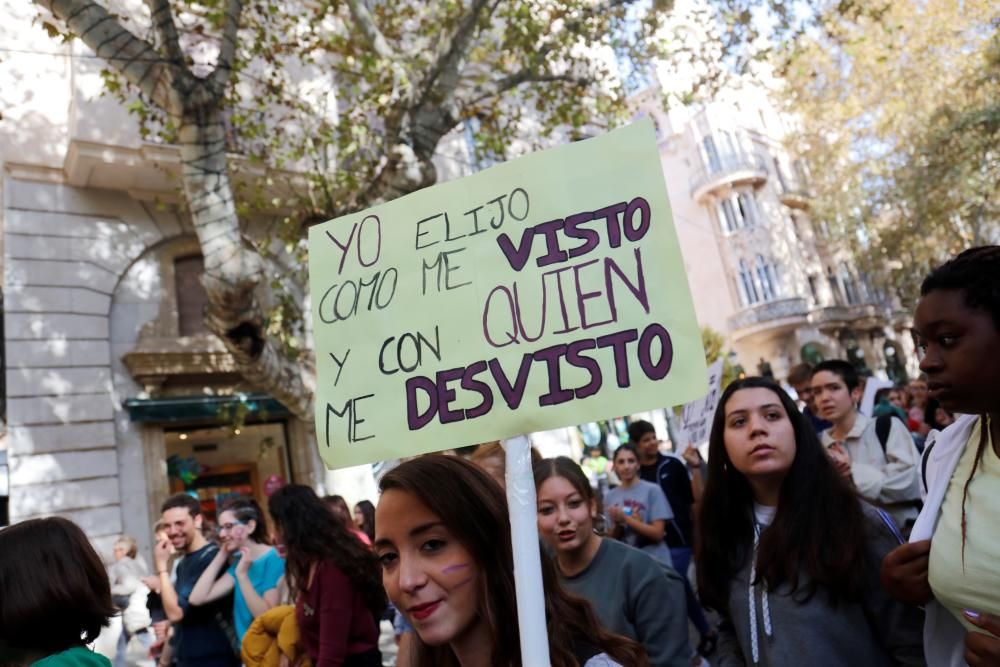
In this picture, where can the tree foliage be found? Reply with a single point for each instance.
(899, 111)
(287, 113)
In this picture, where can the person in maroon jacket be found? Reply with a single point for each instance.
(335, 579)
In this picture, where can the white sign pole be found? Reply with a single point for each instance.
(527, 561)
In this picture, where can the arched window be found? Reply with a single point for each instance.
(767, 279)
(710, 155)
(727, 216)
(191, 297)
(748, 289)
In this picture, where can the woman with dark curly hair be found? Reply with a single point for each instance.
(54, 595)
(443, 536)
(952, 563)
(333, 577)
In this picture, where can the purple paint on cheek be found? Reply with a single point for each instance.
(454, 568)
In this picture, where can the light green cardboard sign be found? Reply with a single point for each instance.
(543, 292)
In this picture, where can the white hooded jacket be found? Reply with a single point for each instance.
(944, 636)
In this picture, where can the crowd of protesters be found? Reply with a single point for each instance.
(813, 533)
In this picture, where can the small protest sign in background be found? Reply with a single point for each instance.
(543, 292)
(696, 419)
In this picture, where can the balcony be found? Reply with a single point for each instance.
(770, 315)
(795, 197)
(793, 192)
(859, 315)
(727, 169)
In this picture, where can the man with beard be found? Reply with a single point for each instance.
(203, 636)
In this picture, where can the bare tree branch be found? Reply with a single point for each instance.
(227, 50)
(166, 30)
(536, 70)
(134, 58)
(442, 78)
(500, 86)
(374, 36)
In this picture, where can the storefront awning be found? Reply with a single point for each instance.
(251, 407)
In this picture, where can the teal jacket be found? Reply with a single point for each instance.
(78, 656)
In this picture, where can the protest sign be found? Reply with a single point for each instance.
(543, 292)
(872, 387)
(696, 418)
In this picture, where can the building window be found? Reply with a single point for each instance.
(729, 145)
(835, 290)
(850, 285)
(728, 218)
(749, 294)
(748, 208)
(191, 297)
(780, 173)
(710, 154)
(813, 289)
(797, 226)
(767, 279)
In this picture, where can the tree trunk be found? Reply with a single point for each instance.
(232, 269)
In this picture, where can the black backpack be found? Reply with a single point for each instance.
(883, 426)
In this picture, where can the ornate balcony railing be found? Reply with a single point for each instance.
(770, 311)
(726, 169)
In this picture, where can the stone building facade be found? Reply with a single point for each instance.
(761, 271)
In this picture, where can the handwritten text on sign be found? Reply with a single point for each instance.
(543, 292)
(696, 420)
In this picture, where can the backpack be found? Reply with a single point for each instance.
(883, 426)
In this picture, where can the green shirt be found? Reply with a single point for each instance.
(77, 656)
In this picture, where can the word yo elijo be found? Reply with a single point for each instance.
(428, 397)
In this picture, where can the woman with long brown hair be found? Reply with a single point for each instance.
(633, 594)
(333, 577)
(443, 536)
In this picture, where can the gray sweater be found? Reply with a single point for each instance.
(636, 596)
(876, 632)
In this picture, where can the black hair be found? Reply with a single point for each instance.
(368, 512)
(311, 533)
(844, 369)
(799, 373)
(639, 428)
(625, 447)
(246, 509)
(190, 503)
(884, 393)
(54, 589)
(976, 274)
(340, 508)
(817, 537)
